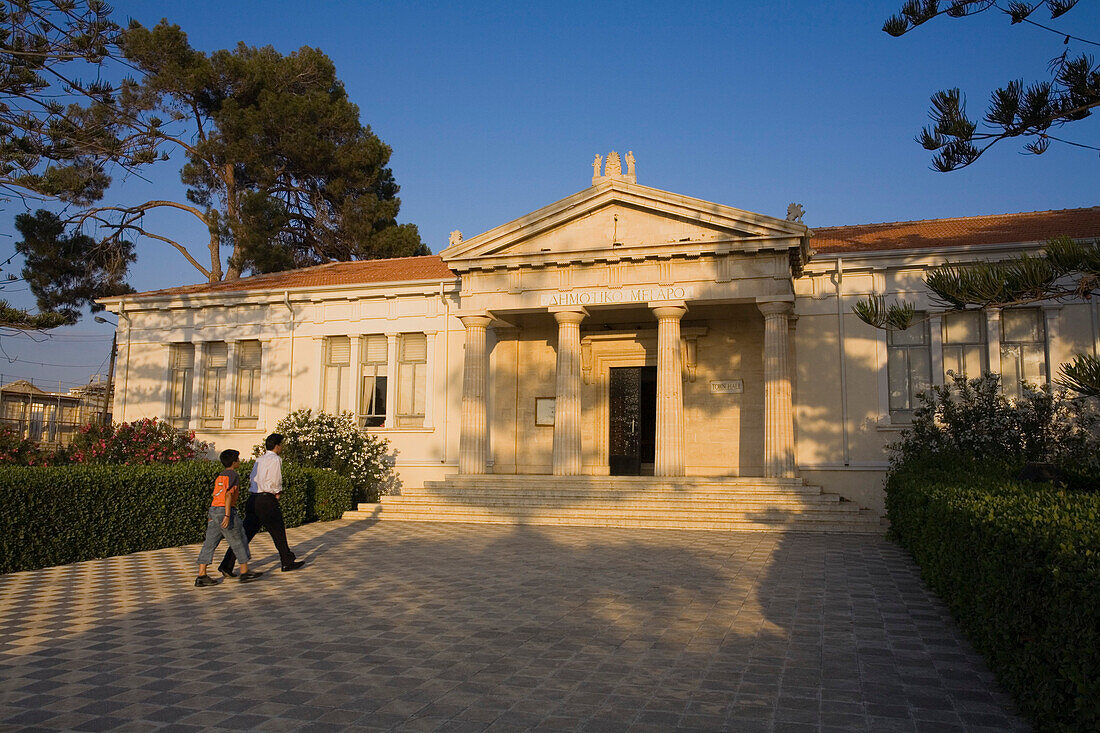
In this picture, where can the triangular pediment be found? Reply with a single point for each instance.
(620, 217)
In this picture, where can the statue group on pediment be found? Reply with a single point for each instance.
(613, 170)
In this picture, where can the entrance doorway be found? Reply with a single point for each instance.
(632, 420)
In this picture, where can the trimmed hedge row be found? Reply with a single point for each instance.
(1018, 563)
(57, 515)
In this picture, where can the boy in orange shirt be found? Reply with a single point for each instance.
(224, 521)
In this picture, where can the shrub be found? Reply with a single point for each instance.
(19, 451)
(56, 515)
(321, 440)
(143, 441)
(1019, 565)
(971, 418)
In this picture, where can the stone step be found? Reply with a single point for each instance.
(657, 512)
(535, 480)
(864, 523)
(615, 495)
(821, 501)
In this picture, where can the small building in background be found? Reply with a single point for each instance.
(52, 418)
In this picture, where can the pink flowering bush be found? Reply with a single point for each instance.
(143, 441)
(16, 450)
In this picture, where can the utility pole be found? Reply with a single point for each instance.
(109, 394)
(108, 397)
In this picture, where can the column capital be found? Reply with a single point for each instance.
(775, 307)
(668, 309)
(474, 320)
(568, 314)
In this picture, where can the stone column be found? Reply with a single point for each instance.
(669, 458)
(473, 451)
(567, 403)
(778, 409)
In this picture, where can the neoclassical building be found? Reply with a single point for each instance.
(622, 331)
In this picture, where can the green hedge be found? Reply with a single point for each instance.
(58, 515)
(1018, 563)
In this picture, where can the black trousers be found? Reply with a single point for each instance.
(262, 510)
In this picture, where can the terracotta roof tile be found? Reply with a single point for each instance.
(1036, 226)
(398, 269)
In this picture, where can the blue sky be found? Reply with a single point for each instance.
(495, 109)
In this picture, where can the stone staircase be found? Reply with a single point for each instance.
(700, 503)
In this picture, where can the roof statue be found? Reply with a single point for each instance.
(614, 169)
(795, 212)
(456, 237)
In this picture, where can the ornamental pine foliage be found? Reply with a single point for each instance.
(1032, 111)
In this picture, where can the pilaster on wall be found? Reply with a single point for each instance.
(993, 337)
(429, 381)
(196, 385)
(355, 371)
(391, 380)
(1051, 317)
(935, 334)
(267, 393)
(230, 411)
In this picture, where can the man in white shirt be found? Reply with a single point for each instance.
(262, 508)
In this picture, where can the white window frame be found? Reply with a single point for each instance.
(249, 379)
(954, 351)
(214, 383)
(370, 372)
(904, 414)
(1013, 350)
(181, 378)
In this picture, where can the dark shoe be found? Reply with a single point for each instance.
(229, 573)
(294, 565)
(204, 581)
(250, 576)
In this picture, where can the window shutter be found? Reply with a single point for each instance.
(217, 354)
(183, 356)
(414, 347)
(339, 350)
(249, 354)
(376, 350)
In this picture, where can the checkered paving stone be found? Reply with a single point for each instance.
(460, 627)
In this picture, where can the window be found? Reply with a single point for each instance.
(1023, 349)
(372, 396)
(909, 368)
(249, 357)
(337, 363)
(964, 349)
(213, 384)
(412, 370)
(181, 370)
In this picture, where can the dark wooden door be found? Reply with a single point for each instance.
(632, 403)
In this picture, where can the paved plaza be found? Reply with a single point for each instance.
(462, 627)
